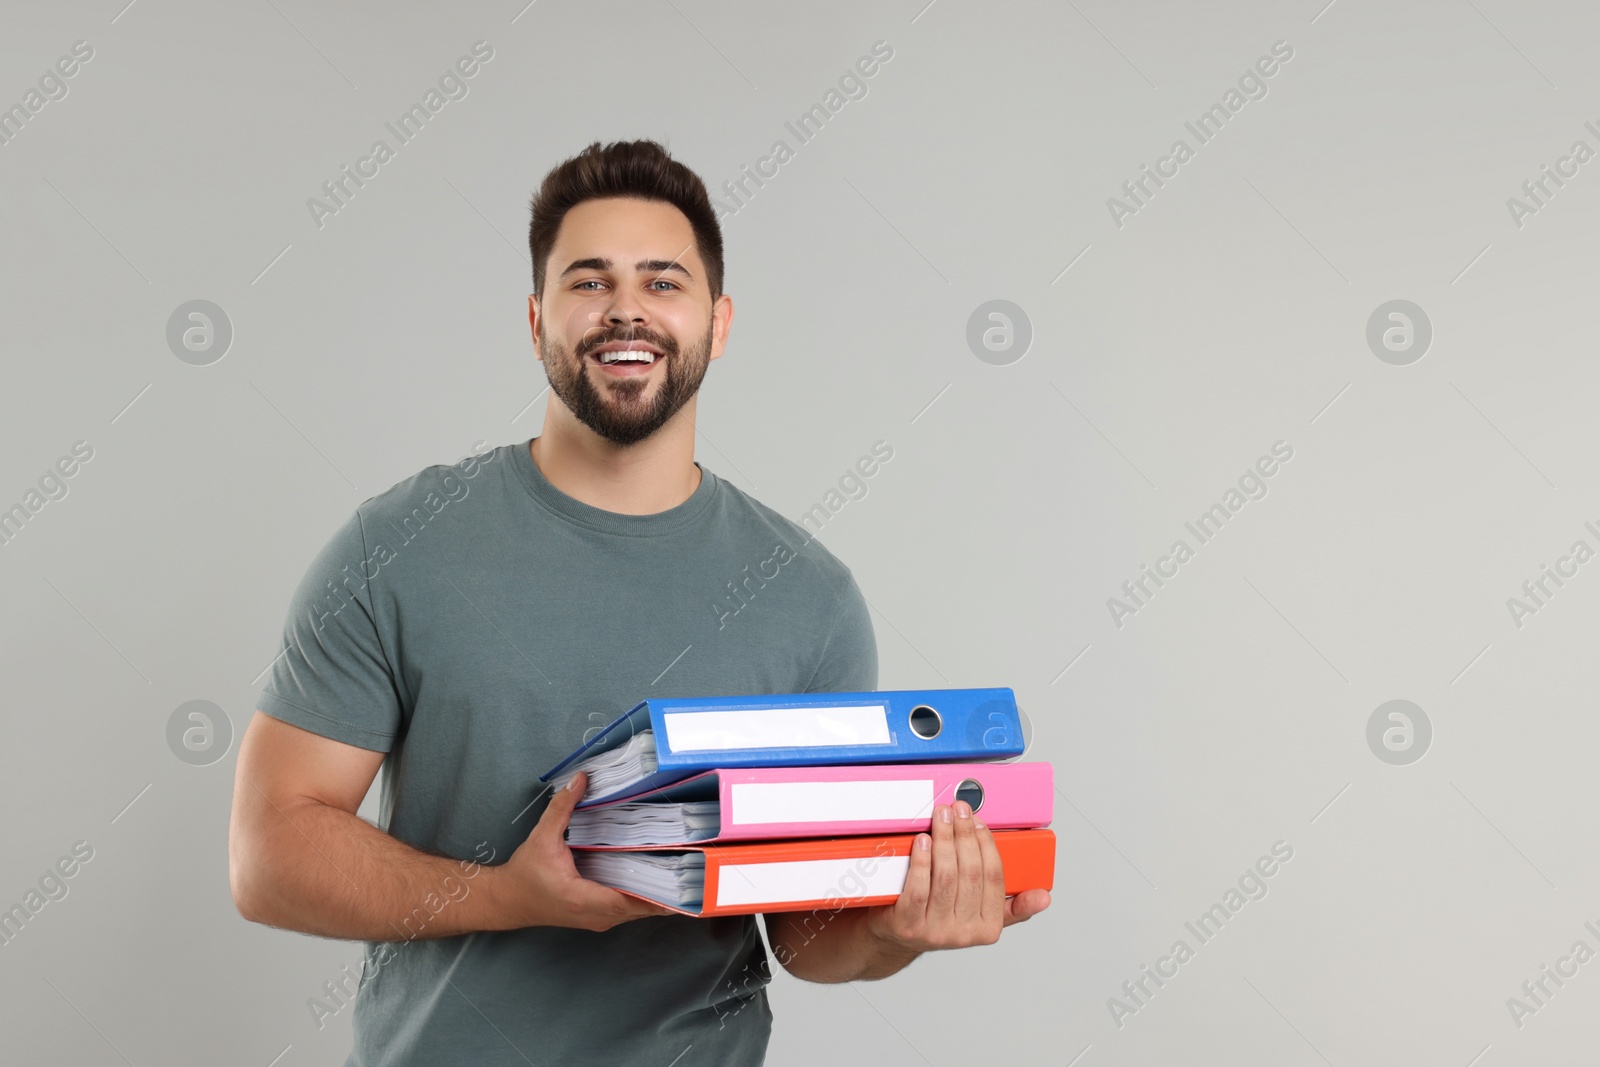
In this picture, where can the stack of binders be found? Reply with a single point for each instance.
(736, 805)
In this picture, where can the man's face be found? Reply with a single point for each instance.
(626, 272)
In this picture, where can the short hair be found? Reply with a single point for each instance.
(642, 170)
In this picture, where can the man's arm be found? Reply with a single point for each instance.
(824, 947)
(954, 897)
(300, 858)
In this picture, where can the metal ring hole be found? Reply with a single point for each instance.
(925, 722)
(971, 791)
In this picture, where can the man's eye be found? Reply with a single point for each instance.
(591, 281)
(663, 281)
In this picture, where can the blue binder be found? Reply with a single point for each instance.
(694, 734)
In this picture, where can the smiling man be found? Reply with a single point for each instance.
(466, 629)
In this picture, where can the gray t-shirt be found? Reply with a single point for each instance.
(476, 623)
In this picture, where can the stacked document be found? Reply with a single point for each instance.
(677, 879)
(798, 785)
(646, 822)
(612, 771)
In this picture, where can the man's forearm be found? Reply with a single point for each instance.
(839, 949)
(321, 870)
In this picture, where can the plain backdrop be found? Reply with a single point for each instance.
(1174, 342)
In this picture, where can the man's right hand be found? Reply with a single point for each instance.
(540, 885)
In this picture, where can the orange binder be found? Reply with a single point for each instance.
(800, 874)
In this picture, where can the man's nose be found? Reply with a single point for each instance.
(625, 307)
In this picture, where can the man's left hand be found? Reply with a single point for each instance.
(955, 891)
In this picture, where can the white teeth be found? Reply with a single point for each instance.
(634, 356)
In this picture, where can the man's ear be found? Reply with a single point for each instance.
(721, 321)
(533, 325)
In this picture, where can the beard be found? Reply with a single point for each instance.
(617, 410)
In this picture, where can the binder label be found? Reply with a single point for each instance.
(792, 880)
(762, 803)
(712, 731)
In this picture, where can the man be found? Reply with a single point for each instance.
(466, 629)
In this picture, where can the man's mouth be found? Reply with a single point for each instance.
(625, 361)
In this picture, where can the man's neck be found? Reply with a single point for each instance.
(653, 475)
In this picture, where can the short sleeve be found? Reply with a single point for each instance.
(849, 662)
(333, 676)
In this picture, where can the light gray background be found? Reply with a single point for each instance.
(1228, 314)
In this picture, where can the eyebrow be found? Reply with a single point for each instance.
(660, 266)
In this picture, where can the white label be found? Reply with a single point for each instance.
(758, 803)
(779, 883)
(701, 731)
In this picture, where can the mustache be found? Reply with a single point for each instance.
(665, 344)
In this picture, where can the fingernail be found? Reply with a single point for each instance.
(944, 814)
(571, 785)
(923, 840)
(980, 824)
(963, 809)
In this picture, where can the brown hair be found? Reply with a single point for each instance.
(639, 169)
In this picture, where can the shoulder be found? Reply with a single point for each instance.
(430, 490)
(791, 544)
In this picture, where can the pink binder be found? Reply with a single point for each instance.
(828, 801)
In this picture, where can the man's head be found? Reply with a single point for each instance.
(627, 252)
